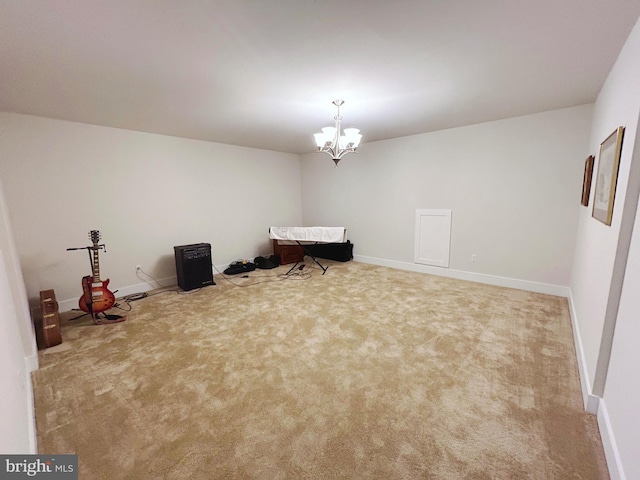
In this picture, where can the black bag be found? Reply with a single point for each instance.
(266, 263)
(341, 252)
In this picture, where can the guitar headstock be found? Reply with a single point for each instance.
(94, 236)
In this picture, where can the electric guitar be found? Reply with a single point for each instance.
(96, 297)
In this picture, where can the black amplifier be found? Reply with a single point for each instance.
(193, 265)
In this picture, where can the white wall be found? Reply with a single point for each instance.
(146, 193)
(514, 187)
(597, 243)
(606, 274)
(622, 388)
(18, 355)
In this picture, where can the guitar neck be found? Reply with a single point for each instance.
(96, 264)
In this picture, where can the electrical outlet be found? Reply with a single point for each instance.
(138, 268)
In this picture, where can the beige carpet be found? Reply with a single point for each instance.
(364, 373)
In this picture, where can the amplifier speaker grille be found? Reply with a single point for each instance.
(193, 265)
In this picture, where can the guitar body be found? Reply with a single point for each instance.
(96, 296)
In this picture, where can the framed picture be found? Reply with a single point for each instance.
(608, 163)
(586, 181)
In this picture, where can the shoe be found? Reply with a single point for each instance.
(266, 263)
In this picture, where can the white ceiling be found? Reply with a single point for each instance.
(263, 73)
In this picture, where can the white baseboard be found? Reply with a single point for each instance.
(33, 435)
(537, 287)
(614, 462)
(147, 286)
(596, 405)
(590, 401)
(68, 305)
(32, 362)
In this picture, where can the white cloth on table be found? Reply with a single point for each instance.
(308, 234)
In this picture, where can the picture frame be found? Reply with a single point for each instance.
(586, 181)
(607, 177)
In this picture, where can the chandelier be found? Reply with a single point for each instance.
(332, 142)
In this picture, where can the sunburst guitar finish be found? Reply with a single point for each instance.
(96, 296)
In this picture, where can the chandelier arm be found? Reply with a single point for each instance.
(342, 153)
